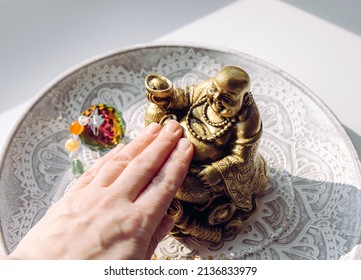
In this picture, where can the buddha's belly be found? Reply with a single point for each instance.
(204, 152)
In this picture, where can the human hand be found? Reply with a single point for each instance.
(116, 209)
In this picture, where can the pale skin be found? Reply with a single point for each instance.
(116, 209)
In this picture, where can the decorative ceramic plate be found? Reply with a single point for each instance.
(310, 210)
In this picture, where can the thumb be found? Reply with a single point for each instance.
(163, 228)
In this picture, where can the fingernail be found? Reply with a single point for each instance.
(183, 144)
(152, 128)
(171, 126)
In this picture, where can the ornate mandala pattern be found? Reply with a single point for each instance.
(310, 209)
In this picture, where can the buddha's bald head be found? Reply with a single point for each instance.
(232, 79)
(227, 91)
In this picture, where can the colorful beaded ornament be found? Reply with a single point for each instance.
(100, 128)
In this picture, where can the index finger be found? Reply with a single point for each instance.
(108, 171)
(142, 169)
(157, 197)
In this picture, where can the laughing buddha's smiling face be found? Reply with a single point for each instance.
(225, 95)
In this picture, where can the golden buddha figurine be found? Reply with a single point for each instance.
(221, 119)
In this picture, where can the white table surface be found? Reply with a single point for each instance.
(40, 40)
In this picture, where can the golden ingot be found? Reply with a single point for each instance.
(159, 90)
